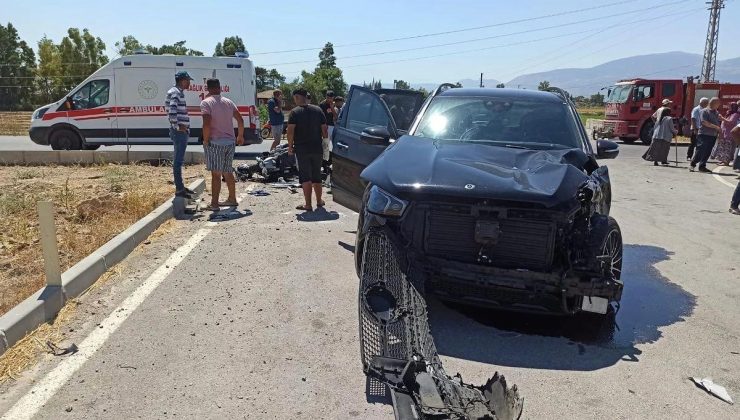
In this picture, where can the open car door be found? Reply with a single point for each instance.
(370, 121)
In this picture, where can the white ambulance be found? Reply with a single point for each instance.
(123, 102)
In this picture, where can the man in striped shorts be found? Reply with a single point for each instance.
(177, 113)
(218, 141)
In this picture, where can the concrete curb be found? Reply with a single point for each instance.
(88, 157)
(43, 305)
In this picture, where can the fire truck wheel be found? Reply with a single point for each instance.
(646, 133)
(64, 139)
(628, 140)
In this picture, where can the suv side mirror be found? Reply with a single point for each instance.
(377, 135)
(606, 149)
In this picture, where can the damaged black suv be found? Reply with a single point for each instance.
(491, 197)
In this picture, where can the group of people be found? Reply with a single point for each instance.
(309, 130)
(709, 128)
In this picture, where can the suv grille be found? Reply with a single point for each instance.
(522, 243)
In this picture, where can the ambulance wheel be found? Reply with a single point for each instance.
(92, 147)
(65, 140)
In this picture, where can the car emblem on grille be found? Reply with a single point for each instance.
(469, 186)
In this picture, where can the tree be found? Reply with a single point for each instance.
(544, 85)
(230, 46)
(597, 99)
(128, 45)
(80, 54)
(500, 85)
(327, 58)
(17, 70)
(49, 71)
(275, 78)
(400, 84)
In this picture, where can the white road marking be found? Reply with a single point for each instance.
(31, 403)
(719, 178)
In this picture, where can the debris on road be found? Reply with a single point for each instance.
(397, 348)
(58, 351)
(717, 390)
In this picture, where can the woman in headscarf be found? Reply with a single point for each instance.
(725, 150)
(662, 136)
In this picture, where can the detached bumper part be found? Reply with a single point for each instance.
(398, 350)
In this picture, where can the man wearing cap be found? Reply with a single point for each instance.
(695, 124)
(277, 119)
(666, 103)
(177, 112)
(219, 141)
(306, 130)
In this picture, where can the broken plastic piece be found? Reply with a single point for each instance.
(717, 390)
(397, 348)
(59, 351)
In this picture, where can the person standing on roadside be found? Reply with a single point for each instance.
(695, 124)
(724, 153)
(330, 113)
(735, 202)
(277, 119)
(707, 135)
(177, 113)
(306, 130)
(662, 137)
(219, 141)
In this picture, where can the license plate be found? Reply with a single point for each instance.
(595, 304)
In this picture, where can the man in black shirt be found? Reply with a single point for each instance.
(306, 129)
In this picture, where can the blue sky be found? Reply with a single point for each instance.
(582, 39)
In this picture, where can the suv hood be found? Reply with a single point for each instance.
(413, 167)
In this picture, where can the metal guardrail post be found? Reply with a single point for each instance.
(48, 237)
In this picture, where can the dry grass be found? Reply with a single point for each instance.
(587, 113)
(93, 204)
(14, 123)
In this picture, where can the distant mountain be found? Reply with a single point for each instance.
(587, 81)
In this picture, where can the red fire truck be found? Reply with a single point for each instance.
(630, 105)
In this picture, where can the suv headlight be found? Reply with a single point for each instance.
(383, 203)
(39, 113)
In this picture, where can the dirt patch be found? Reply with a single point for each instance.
(92, 203)
(15, 123)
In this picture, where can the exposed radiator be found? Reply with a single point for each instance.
(522, 243)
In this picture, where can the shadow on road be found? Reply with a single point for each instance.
(348, 247)
(318, 215)
(649, 303)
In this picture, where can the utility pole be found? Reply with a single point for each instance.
(481, 80)
(710, 50)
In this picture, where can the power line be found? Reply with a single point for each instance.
(602, 30)
(454, 31)
(484, 38)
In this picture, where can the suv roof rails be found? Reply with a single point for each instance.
(443, 87)
(561, 93)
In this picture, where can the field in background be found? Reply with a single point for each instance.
(586, 113)
(92, 203)
(14, 123)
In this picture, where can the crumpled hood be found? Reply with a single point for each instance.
(414, 167)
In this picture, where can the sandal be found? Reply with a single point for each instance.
(214, 208)
(321, 203)
(304, 208)
(228, 204)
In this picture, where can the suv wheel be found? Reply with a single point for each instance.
(646, 133)
(607, 240)
(65, 139)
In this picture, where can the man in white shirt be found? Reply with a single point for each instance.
(695, 124)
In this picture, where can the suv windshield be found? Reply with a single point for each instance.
(500, 121)
(619, 94)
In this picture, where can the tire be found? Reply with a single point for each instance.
(92, 147)
(627, 140)
(606, 239)
(265, 133)
(646, 133)
(64, 139)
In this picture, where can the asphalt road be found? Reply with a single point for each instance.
(259, 320)
(8, 143)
